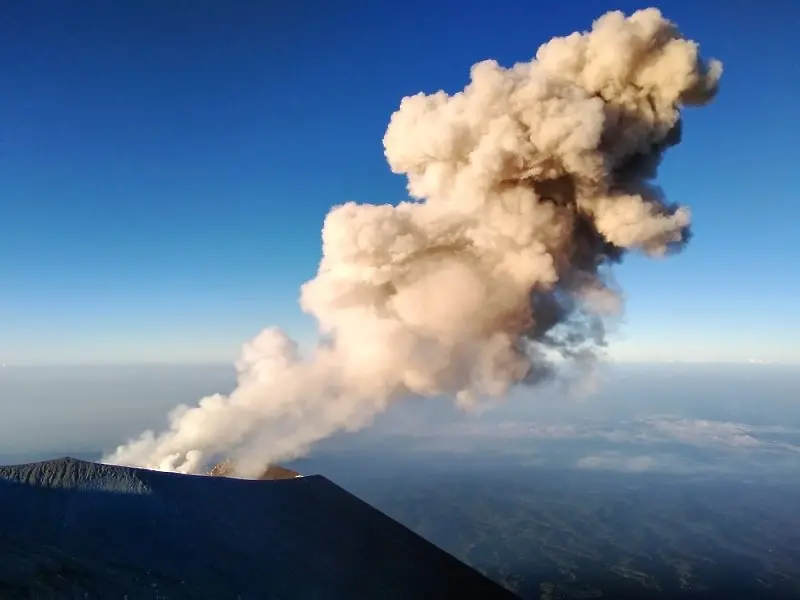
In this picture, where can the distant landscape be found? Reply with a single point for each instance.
(666, 480)
(547, 533)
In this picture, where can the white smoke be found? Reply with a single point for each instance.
(526, 185)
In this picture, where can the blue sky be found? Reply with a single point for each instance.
(165, 168)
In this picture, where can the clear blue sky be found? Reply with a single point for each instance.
(165, 167)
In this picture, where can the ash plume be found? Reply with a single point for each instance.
(525, 187)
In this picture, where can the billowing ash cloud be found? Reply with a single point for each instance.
(526, 186)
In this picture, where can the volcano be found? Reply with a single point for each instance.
(75, 529)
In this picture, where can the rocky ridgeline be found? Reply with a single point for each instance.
(226, 469)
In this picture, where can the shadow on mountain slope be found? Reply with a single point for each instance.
(73, 529)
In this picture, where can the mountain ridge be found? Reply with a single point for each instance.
(74, 528)
(226, 469)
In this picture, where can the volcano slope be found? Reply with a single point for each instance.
(75, 529)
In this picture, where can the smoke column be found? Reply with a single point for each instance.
(525, 187)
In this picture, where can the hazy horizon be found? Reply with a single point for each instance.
(743, 416)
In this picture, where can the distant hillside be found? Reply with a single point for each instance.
(74, 529)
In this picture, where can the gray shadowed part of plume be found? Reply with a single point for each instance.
(526, 187)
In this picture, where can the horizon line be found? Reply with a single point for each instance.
(4, 365)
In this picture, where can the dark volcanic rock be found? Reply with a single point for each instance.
(74, 529)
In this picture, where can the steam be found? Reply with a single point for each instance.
(525, 187)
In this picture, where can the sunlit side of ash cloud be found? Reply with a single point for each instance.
(525, 187)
